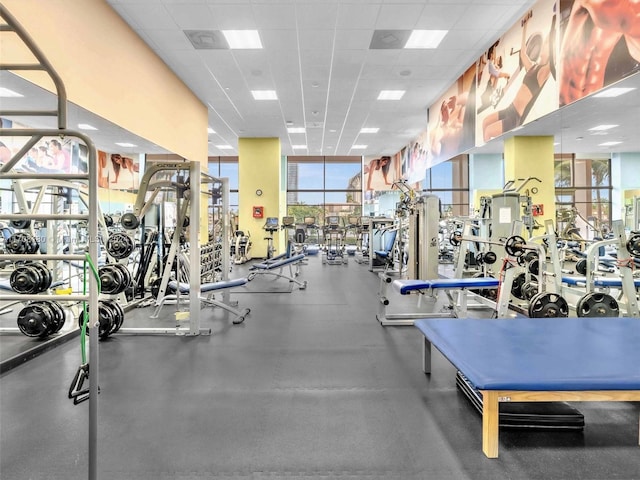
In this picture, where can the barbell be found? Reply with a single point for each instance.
(514, 245)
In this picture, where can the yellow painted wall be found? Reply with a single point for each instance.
(259, 169)
(108, 70)
(526, 157)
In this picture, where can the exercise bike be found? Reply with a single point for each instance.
(270, 226)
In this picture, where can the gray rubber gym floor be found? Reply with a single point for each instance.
(309, 387)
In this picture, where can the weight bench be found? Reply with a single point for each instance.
(269, 268)
(458, 306)
(209, 288)
(538, 360)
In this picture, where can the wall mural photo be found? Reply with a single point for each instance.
(517, 75)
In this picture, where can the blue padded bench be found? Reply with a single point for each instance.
(538, 360)
(210, 288)
(268, 268)
(601, 282)
(405, 287)
(457, 306)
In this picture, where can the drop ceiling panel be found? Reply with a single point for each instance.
(233, 16)
(274, 15)
(313, 14)
(192, 16)
(354, 16)
(440, 16)
(149, 16)
(399, 16)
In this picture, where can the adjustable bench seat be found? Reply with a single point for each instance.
(210, 288)
(268, 268)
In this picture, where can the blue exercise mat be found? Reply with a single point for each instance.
(541, 354)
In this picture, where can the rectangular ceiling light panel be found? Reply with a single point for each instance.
(264, 94)
(425, 38)
(391, 94)
(242, 39)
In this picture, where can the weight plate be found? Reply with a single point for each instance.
(111, 281)
(59, 314)
(20, 224)
(547, 305)
(490, 258)
(455, 238)
(22, 243)
(516, 287)
(633, 245)
(129, 221)
(581, 266)
(514, 245)
(35, 320)
(105, 315)
(26, 279)
(119, 245)
(529, 289)
(596, 304)
(534, 266)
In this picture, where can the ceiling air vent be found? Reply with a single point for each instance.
(207, 39)
(389, 39)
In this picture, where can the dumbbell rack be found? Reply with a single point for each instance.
(11, 26)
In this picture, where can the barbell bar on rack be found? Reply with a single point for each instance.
(514, 245)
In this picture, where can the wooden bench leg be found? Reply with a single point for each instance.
(490, 419)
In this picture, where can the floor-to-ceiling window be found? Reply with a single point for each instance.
(320, 187)
(227, 167)
(583, 195)
(449, 181)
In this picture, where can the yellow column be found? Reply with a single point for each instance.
(259, 172)
(526, 157)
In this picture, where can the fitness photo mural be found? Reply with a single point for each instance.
(414, 159)
(379, 174)
(118, 171)
(600, 45)
(451, 126)
(516, 80)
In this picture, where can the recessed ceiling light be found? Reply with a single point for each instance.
(298, 146)
(600, 128)
(608, 144)
(296, 130)
(391, 94)
(125, 144)
(613, 92)
(333, 130)
(425, 38)
(242, 39)
(369, 130)
(210, 130)
(264, 94)
(5, 92)
(358, 147)
(86, 126)
(224, 147)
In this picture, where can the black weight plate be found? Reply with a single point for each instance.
(20, 224)
(596, 304)
(490, 258)
(59, 314)
(35, 319)
(26, 279)
(129, 221)
(119, 245)
(548, 305)
(581, 266)
(516, 288)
